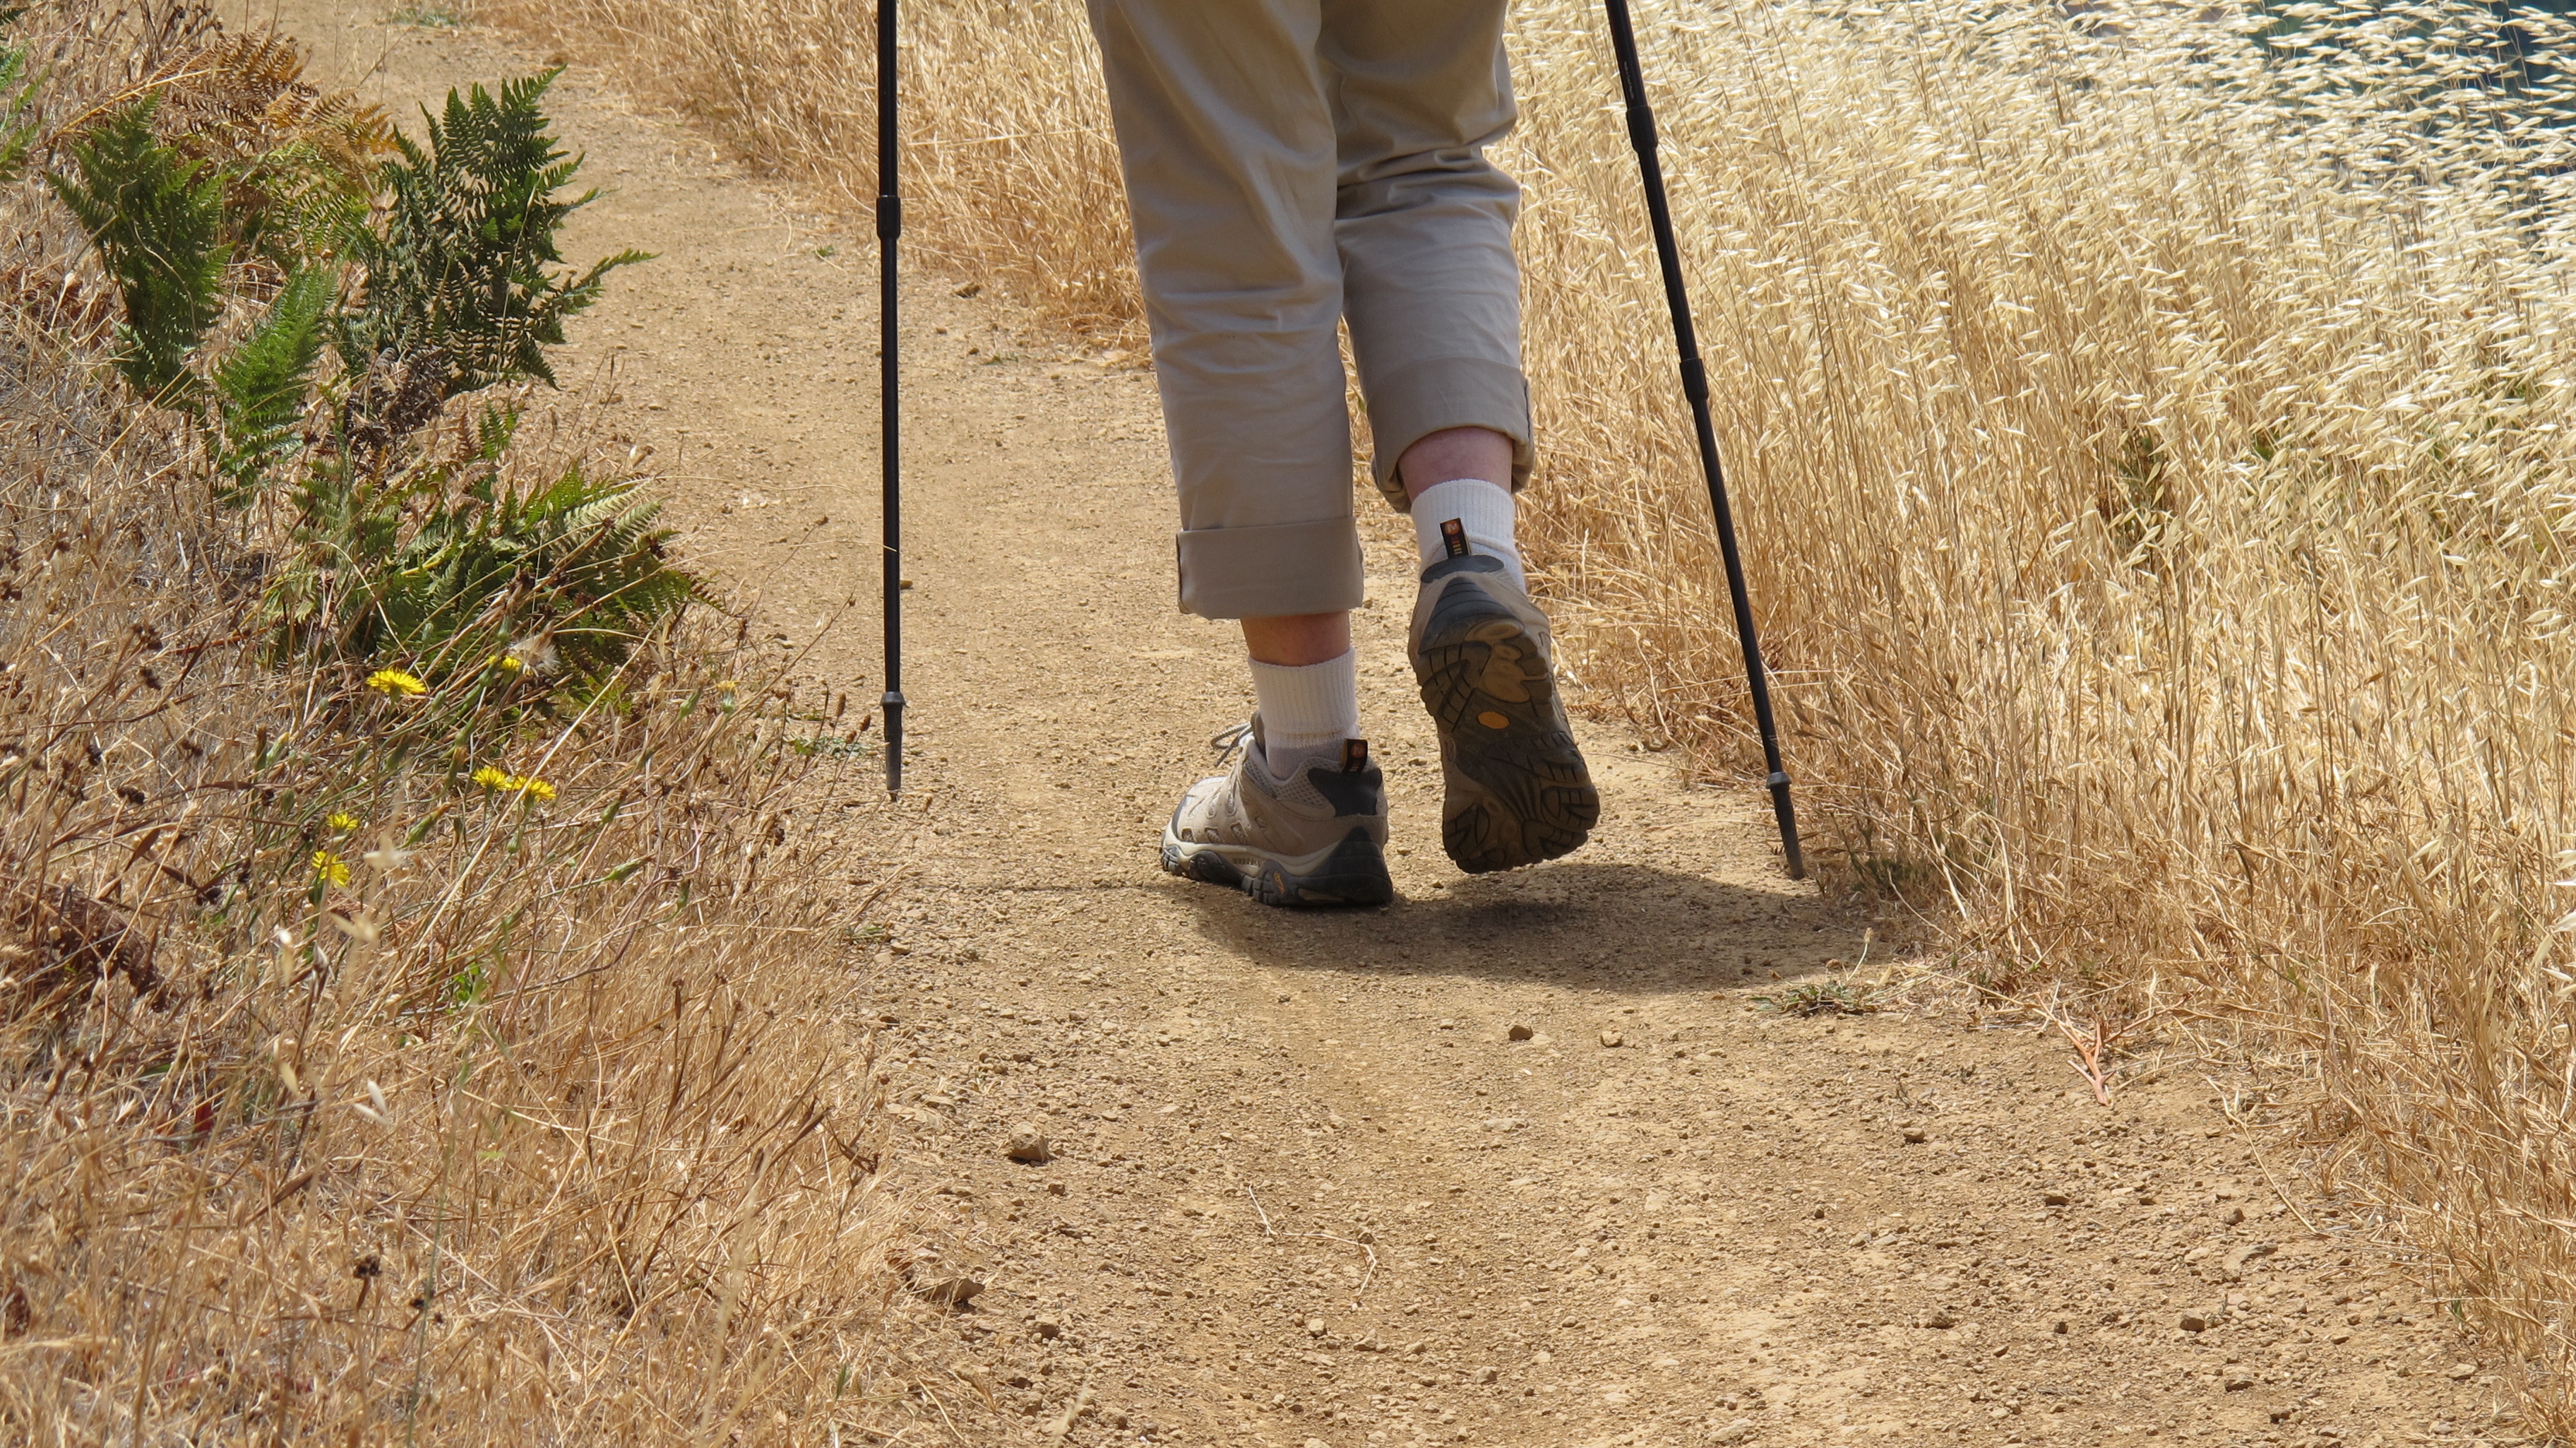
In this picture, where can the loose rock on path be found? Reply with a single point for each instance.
(1517, 1160)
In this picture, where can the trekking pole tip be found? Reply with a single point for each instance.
(892, 704)
(1787, 813)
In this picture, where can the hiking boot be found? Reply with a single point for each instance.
(1518, 791)
(1317, 838)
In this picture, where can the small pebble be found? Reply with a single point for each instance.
(949, 1291)
(1048, 1328)
(1028, 1144)
(1916, 1136)
(2054, 1199)
(1520, 1033)
(1314, 1327)
(1612, 1038)
(2239, 1256)
(1485, 1375)
(2197, 1319)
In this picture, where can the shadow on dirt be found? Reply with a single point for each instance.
(1601, 926)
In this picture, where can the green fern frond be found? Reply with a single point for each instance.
(493, 430)
(17, 110)
(260, 390)
(579, 561)
(463, 268)
(156, 218)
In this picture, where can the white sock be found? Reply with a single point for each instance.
(1482, 512)
(1306, 711)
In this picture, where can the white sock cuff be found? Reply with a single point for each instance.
(1484, 513)
(1310, 706)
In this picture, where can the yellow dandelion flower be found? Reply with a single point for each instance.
(508, 663)
(394, 682)
(330, 867)
(527, 784)
(341, 820)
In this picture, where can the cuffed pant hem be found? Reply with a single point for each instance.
(1271, 570)
(1451, 392)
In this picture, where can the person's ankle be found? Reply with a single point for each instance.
(1306, 711)
(1468, 515)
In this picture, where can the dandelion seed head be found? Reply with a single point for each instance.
(537, 655)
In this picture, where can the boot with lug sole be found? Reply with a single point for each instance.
(1518, 790)
(1315, 838)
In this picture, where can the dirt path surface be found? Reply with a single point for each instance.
(1517, 1160)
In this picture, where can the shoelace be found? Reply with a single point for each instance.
(1230, 739)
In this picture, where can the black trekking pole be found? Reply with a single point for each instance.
(1659, 206)
(890, 402)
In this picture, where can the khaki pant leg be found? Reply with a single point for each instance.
(1419, 89)
(1227, 143)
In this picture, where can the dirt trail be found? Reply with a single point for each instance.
(1307, 1186)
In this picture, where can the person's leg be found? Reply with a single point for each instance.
(1432, 297)
(1458, 481)
(1226, 140)
(1305, 688)
(1424, 229)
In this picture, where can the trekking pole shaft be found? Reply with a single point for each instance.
(1659, 209)
(890, 400)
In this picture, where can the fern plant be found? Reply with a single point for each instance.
(574, 572)
(299, 163)
(453, 570)
(156, 217)
(260, 390)
(459, 292)
(17, 105)
(398, 553)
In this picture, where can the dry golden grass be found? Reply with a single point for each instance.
(2153, 456)
(343, 1099)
